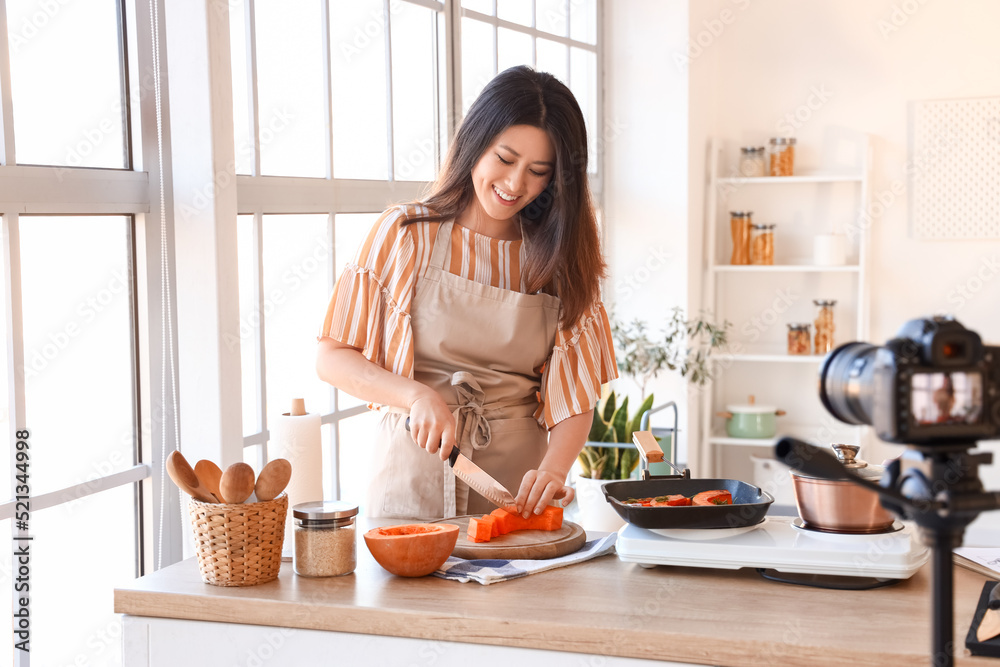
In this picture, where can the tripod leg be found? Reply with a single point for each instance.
(943, 624)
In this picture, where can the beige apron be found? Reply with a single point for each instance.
(479, 347)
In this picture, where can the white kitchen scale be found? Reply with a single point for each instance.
(783, 544)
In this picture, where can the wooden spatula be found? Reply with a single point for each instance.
(184, 477)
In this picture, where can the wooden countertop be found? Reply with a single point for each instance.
(602, 606)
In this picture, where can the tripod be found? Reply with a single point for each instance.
(938, 488)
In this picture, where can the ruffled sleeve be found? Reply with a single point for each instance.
(370, 306)
(583, 359)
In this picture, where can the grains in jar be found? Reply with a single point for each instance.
(739, 225)
(782, 156)
(823, 340)
(798, 338)
(762, 245)
(752, 161)
(325, 538)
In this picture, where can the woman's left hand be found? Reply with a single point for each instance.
(538, 489)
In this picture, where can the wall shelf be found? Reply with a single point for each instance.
(761, 300)
(786, 268)
(785, 180)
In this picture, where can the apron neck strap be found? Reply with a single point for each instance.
(442, 244)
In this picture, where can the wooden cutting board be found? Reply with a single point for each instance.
(528, 544)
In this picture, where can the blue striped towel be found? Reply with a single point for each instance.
(490, 571)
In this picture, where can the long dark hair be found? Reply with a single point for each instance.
(560, 227)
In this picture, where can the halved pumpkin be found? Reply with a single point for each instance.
(414, 549)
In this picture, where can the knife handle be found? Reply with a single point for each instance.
(454, 450)
(994, 601)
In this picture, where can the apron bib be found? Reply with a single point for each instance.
(479, 347)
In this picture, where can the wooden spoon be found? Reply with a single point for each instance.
(209, 475)
(273, 479)
(237, 483)
(186, 480)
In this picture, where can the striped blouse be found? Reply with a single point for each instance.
(370, 308)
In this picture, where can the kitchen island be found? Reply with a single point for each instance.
(602, 612)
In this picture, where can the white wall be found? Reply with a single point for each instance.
(860, 64)
(646, 177)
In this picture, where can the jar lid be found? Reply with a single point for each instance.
(741, 214)
(765, 226)
(825, 302)
(325, 510)
(783, 141)
(751, 149)
(798, 326)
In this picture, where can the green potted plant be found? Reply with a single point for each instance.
(685, 346)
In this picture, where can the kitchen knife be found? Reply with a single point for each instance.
(478, 479)
(989, 627)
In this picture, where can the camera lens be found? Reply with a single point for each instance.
(845, 382)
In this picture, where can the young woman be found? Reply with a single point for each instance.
(477, 314)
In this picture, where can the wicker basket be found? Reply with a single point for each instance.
(240, 544)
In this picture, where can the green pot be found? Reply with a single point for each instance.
(751, 421)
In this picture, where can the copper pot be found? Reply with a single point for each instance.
(841, 506)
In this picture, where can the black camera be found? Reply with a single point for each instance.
(935, 383)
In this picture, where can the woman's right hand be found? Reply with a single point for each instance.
(432, 426)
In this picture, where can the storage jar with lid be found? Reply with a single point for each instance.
(739, 226)
(841, 506)
(325, 538)
(752, 162)
(762, 244)
(823, 338)
(798, 338)
(781, 156)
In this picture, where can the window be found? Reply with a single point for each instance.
(72, 206)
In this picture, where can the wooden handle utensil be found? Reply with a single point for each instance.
(185, 478)
(209, 475)
(237, 483)
(273, 479)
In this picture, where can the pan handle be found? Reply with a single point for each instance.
(648, 448)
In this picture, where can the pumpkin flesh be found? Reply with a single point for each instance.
(412, 550)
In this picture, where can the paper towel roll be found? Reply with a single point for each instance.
(298, 439)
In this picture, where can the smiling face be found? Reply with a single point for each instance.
(509, 175)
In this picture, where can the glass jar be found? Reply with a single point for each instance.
(752, 162)
(325, 538)
(739, 225)
(762, 244)
(823, 339)
(781, 156)
(798, 338)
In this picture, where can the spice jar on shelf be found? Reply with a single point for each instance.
(739, 225)
(762, 244)
(781, 156)
(752, 162)
(823, 339)
(325, 538)
(798, 338)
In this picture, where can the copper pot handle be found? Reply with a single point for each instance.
(725, 415)
(780, 413)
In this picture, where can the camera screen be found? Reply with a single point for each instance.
(947, 398)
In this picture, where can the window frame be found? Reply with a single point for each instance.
(132, 192)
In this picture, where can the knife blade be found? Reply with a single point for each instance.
(478, 479)
(481, 481)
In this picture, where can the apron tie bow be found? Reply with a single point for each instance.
(471, 426)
